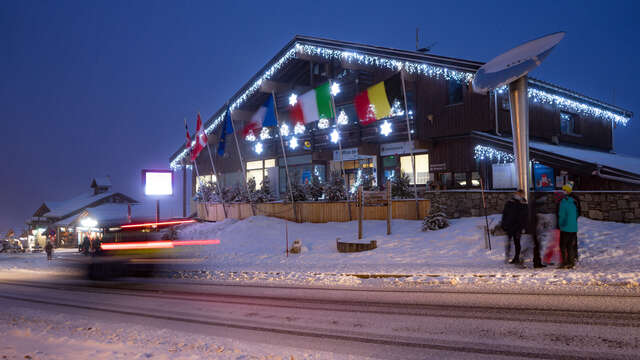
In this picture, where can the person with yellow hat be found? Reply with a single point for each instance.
(568, 212)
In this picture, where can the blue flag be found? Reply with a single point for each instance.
(227, 128)
(270, 116)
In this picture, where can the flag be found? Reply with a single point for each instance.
(201, 139)
(264, 117)
(376, 102)
(227, 128)
(313, 105)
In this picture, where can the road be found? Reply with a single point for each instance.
(355, 322)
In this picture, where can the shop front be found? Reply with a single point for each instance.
(396, 160)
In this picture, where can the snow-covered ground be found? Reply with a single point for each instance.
(253, 250)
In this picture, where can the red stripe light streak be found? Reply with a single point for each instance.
(175, 222)
(165, 244)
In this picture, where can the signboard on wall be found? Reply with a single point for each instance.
(437, 167)
(543, 177)
(504, 176)
(404, 147)
(349, 154)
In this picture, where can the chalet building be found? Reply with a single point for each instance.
(64, 219)
(456, 136)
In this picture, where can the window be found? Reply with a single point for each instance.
(568, 124)
(203, 179)
(257, 169)
(505, 104)
(461, 179)
(455, 91)
(422, 168)
(475, 178)
(445, 179)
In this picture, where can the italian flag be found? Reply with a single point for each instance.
(313, 105)
(375, 103)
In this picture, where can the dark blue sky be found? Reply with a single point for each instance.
(89, 88)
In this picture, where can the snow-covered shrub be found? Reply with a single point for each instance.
(400, 187)
(299, 192)
(334, 190)
(315, 188)
(207, 192)
(437, 219)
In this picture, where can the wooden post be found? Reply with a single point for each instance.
(286, 230)
(360, 211)
(389, 207)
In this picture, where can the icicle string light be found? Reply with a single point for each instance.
(481, 152)
(396, 65)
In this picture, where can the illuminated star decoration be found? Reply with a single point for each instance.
(250, 136)
(293, 143)
(385, 128)
(335, 136)
(264, 134)
(343, 119)
(323, 123)
(284, 130)
(293, 99)
(298, 129)
(258, 148)
(335, 89)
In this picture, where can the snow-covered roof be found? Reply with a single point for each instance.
(111, 213)
(62, 208)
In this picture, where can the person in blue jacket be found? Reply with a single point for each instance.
(568, 223)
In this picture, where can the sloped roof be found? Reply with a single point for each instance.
(64, 208)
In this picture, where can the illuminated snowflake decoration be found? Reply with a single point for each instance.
(264, 134)
(298, 129)
(293, 143)
(250, 136)
(323, 123)
(481, 152)
(343, 119)
(385, 128)
(293, 99)
(258, 148)
(335, 136)
(396, 108)
(335, 89)
(284, 130)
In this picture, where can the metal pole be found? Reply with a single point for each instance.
(213, 167)
(413, 160)
(286, 166)
(195, 166)
(244, 171)
(520, 129)
(344, 177)
(486, 219)
(184, 193)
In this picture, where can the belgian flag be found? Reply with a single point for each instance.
(376, 102)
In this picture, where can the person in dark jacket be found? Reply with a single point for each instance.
(568, 212)
(514, 220)
(48, 248)
(85, 245)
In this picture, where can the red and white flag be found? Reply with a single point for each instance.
(201, 139)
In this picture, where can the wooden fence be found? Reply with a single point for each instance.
(314, 211)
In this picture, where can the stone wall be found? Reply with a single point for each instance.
(620, 206)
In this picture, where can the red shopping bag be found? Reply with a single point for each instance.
(553, 248)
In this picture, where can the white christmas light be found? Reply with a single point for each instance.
(250, 136)
(575, 106)
(258, 148)
(481, 152)
(293, 143)
(335, 136)
(397, 109)
(264, 134)
(293, 99)
(335, 88)
(323, 123)
(298, 129)
(284, 130)
(385, 128)
(343, 119)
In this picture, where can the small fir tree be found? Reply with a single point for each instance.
(316, 189)
(299, 192)
(437, 218)
(334, 190)
(400, 188)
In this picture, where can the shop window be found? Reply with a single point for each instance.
(257, 169)
(475, 178)
(204, 179)
(445, 179)
(461, 179)
(568, 124)
(422, 168)
(505, 104)
(454, 88)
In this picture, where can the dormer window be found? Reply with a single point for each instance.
(568, 124)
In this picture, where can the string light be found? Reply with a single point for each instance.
(250, 136)
(298, 129)
(335, 136)
(335, 88)
(293, 99)
(481, 152)
(284, 130)
(293, 143)
(343, 119)
(264, 134)
(410, 67)
(323, 123)
(385, 128)
(258, 148)
(397, 108)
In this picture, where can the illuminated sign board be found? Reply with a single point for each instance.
(157, 182)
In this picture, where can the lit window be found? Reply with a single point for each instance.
(475, 178)
(270, 163)
(461, 179)
(257, 169)
(204, 179)
(422, 167)
(251, 165)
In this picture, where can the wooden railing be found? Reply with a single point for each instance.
(314, 211)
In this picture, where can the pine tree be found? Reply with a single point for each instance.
(299, 192)
(437, 218)
(315, 188)
(400, 187)
(334, 190)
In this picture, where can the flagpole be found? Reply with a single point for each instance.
(284, 155)
(213, 167)
(195, 166)
(413, 160)
(344, 178)
(244, 171)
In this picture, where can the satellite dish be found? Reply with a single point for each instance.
(514, 63)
